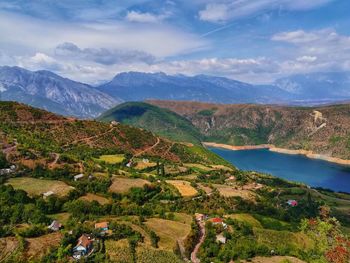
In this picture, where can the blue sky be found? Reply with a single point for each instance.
(256, 41)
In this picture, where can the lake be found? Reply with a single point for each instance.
(316, 173)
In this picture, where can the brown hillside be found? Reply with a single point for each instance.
(324, 130)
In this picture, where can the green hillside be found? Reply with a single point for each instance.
(157, 120)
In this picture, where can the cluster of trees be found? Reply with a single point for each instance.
(16, 207)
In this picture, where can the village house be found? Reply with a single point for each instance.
(102, 227)
(83, 247)
(55, 226)
(78, 177)
(6, 171)
(218, 221)
(221, 238)
(129, 164)
(292, 203)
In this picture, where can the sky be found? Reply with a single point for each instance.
(256, 41)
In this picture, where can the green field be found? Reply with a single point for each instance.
(35, 186)
(112, 159)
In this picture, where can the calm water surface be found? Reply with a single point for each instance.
(298, 168)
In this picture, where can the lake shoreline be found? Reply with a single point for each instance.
(273, 148)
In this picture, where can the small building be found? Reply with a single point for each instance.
(102, 227)
(78, 177)
(292, 203)
(55, 226)
(221, 238)
(218, 221)
(144, 160)
(114, 123)
(47, 194)
(83, 247)
(129, 164)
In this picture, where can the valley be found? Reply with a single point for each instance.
(137, 197)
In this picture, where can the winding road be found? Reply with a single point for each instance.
(194, 253)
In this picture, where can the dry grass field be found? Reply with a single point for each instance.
(118, 251)
(123, 185)
(142, 165)
(229, 191)
(169, 231)
(205, 188)
(184, 187)
(112, 159)
(35, 186)
(8, 245)
(92, 197)
(39, 246)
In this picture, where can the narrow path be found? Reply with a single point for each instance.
(54, 162)
(147, 149)
(194, 253)
(89, 138)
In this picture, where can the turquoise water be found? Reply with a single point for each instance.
(316, 173)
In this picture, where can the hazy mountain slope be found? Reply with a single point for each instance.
(325, 130)
(319, 87)
(157, 120)
(49, 91)
(136, 86)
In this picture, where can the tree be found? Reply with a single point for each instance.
(154, 239)
(3, 161)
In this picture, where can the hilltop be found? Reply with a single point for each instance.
(160, 121)
(323, 130)
(39, 134)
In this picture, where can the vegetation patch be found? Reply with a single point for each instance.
(230, 191)
(35, 186)
(184, 187)
(123, 185)
(169, 232)
(93, 197)
(39, 246)
(113, 159)
(246, 218)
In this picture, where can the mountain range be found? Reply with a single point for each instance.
(52, 92)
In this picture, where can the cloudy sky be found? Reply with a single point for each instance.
(256, 41)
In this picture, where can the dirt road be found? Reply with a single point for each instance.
(194, 253)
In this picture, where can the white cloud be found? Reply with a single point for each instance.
(25, 33)
(102, 55)
(224, 10)
(307, 59)
(215, 13)
(135, 16)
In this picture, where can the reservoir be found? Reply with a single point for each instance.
(298, 168)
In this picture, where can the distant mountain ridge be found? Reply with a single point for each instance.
(136, 86)
(49, 91)
(52, 92)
